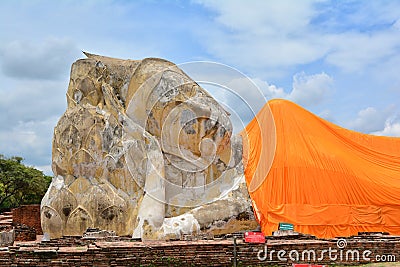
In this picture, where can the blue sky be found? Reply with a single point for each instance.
(338, 59)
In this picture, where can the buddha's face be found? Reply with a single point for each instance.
(186, 120)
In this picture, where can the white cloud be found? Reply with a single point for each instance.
(269, 16)
(357, 42)
(370, 120)
(272, 36)
(270, 91)
(356, 52)
(47, 60)
(262, 34)
(247, 96)
(309, 90)
(396, 25)
(30, 140)
(387, 73)
(244, 97)
(26, 101)
(46, 169)
(31, 110)
(392, 128)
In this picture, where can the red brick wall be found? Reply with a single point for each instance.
(178, 253)
(28, 215)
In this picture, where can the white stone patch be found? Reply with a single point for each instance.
(58, 182)
(180, 225)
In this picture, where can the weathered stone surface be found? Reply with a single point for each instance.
(7, 238)
(140, 148)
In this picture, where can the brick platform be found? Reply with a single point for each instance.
(126, 252)
(6, 218)
(28, 215)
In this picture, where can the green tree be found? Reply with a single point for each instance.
(20, 184)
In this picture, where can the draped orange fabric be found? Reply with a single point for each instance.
(326, 180)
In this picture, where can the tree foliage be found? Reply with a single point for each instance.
(20, 184)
